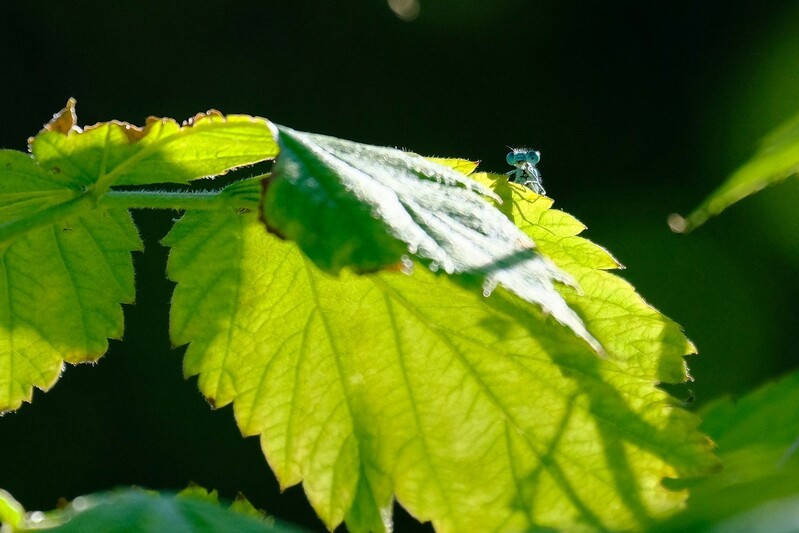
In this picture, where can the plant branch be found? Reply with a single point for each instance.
(203, 200)
(163, 200)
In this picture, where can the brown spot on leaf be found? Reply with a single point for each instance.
(211, 401)
(134, 133)
(374, 270)
(399, 266)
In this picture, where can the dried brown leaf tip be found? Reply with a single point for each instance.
(65, 120)
(62, 122)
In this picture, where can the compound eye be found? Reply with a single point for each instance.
(511, 158)
(533, 157)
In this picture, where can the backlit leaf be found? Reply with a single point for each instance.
(367, 207)
(65, 264)
(60, 290)
(162, 151)
(777, 159)
(479, 414)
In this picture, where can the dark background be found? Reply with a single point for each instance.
(639, 109)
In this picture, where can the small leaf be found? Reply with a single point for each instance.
(758, 442)
(777, 159)
(138, 511)
(117, 153)
(365, 207)
(477, 414)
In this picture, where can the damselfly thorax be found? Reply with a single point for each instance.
(526, 173)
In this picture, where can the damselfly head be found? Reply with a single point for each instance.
(518, 156)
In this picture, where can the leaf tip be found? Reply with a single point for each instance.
(62, 122)
(65, 120)
(679, 224)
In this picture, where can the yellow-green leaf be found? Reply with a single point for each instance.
(777, 159)
(162, 151)
(478, 414)
(65, 263)
(60, 290)
(365, 207)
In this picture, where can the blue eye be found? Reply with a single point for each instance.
(526, 173)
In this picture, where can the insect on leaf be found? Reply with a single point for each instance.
(366, 207)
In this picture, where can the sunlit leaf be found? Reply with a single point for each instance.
(60, 290)
(162, 151)
(65, 264)
(479, 414)
(777, 159)
(11, 511)
(367, 207)
(758, 442)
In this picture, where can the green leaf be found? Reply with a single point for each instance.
(27, 188)
(476, 413)
(135, 510)
(65, 263)
(117, 153)
(777, 159)
(366, 207)
(11, 511)
(60, 290)
(758, 442)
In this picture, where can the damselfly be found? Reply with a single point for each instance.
(526, 173)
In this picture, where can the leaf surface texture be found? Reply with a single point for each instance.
(479, 414)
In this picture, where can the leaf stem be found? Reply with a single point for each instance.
(162, 200)
(203, 200)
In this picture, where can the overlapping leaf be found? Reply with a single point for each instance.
(479, 414)
(777, 159)
(365, 207)
(65, 265)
